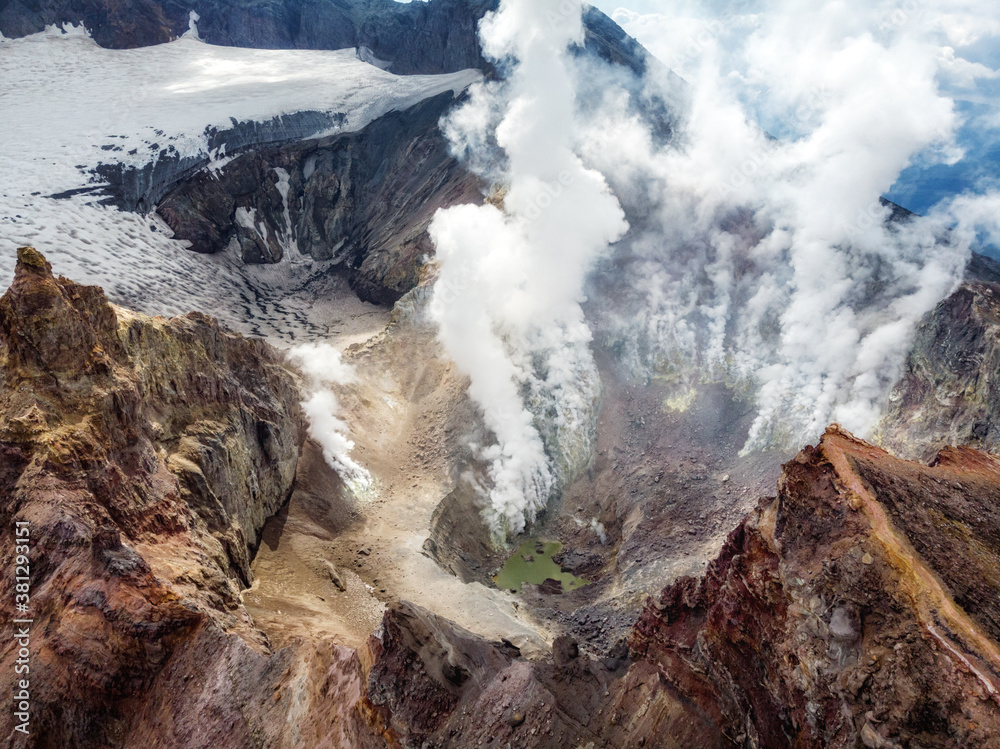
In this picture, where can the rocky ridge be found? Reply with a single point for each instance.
(857, 608)
(432, 37)
(145, 454)
(407, 38)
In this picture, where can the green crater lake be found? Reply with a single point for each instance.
(532, 563)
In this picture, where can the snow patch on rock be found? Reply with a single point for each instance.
(70, 105)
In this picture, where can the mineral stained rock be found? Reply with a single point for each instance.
(437, 37)
(858, 608)
(145, 454)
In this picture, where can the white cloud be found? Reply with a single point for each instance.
(959, 73)
(965, 29)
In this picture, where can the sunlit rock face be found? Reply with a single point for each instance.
(200, 583)
(145, 454)
(858, 608)
(86, 381)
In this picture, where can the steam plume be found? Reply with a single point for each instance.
(507, 301)
(769, 263)
(773, 264)
(324, 369)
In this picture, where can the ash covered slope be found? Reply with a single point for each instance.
(146, 455)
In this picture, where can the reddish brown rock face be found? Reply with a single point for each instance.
(856, 609)
(145, 455)
(433, 684)
(66, 321)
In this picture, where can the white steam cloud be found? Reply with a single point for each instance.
(769, 263)
(324, 369)
(512, 271)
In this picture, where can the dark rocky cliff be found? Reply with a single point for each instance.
(140, 189)
(439, 36)
(949, 393)
(362, 199)
(433, 37)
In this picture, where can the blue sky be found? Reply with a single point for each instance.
(921, 186)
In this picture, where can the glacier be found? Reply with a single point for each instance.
(71, 105)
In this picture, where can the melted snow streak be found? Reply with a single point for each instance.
(70, 105)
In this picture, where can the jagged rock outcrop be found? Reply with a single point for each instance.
(422, 37)
(146, 454)
(363, 200)
(949, 393)
(433, 684)
(858, 608)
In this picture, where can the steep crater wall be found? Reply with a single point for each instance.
(140, 189)
(145, 454)
(949, 393)
(363, 200)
